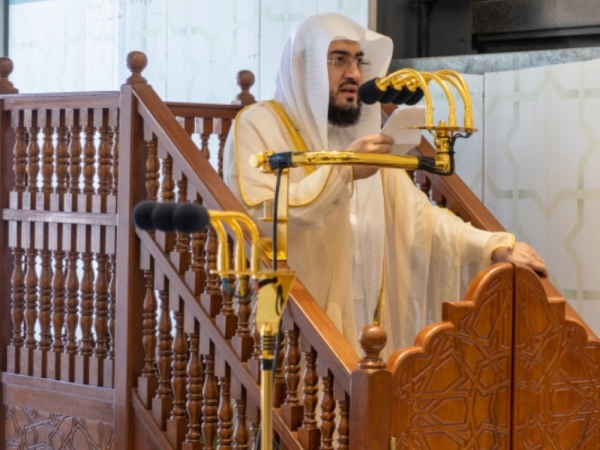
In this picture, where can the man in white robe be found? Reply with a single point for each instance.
(356, 235)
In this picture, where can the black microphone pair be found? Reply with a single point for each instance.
(183, 217)
(370, 93)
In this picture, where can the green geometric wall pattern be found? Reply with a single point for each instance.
(541, 166)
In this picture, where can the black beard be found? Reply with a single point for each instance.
(343, 115)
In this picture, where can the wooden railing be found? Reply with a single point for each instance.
(125, 338)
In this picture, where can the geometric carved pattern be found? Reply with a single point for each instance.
(557, 374)
(452, 390)
(29, 429)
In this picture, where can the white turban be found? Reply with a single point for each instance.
(302, 84)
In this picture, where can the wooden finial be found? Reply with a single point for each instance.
(245, 80)
(6, 68)
(372, 340)
(136, 62)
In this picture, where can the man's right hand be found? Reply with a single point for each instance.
(377, 143)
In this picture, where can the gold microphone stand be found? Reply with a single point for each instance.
(444, 134)
(273, 288)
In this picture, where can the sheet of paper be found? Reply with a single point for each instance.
(396, 127)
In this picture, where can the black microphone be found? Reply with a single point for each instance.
(415, 97)
(390, 95)
(142, 214)
(162, 216)
(405, 94)
(190, 218)
(369, 93)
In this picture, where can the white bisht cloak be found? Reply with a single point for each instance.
(349, 241)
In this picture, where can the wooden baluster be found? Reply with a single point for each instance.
(112, 304)
(165, 240)
(194, 392)
(99, 245)
(327, 410)
(67, 368)
(114, 123)
(15, 232)
(204, 127)
(309, 434)
(292, 410)
(196, 275)
(222, 127)
(243, 341)
(279, 377)
(29, 243)
(18, 307)
(211, 297)
(42, 203)
(58, 314)
(343, 426)
(181, 256)
(241, 434)
(177, 425)
(31, 313)
(253, 412)
(152, 169)
(226, 319)
(87, 306)
(19, 152)
(97, 372)
(147, 382)
(55, 245)
(225, 411)
(45, 301)
(210, 394)
(89, 151)
(162, 403)
(254, 361)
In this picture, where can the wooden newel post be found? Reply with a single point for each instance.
(6, 68)
(370, 411)
(245, 80)
(136, 62)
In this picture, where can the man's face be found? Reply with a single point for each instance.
(345, 76)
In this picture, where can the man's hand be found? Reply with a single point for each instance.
(521, 253)
(377, 143)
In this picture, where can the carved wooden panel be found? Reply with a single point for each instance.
(452, 390)
(557, 374)
(26, 428)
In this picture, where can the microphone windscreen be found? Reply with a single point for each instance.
(190, 218)
(390, 94)
(369, 93)
(162, 216)
(416, 97)
(142, 214)
(404, 95)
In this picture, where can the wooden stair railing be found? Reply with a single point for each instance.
(191, 364)
(183, 348)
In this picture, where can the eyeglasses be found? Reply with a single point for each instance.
(343, 62)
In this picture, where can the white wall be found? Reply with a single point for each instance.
(195, 47)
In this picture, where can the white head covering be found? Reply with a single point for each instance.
(302, 85)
